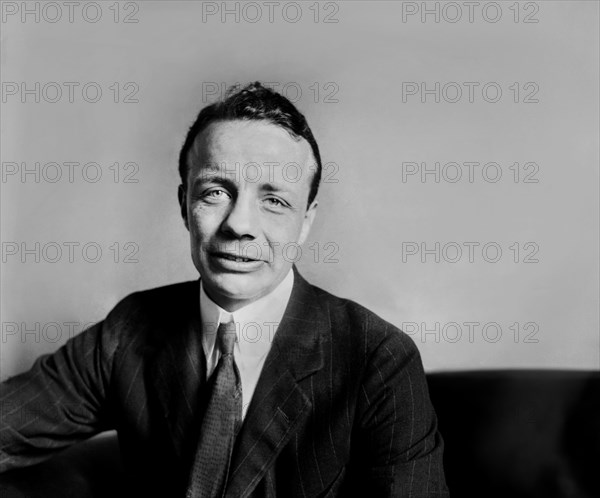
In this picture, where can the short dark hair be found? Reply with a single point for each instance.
(259, 103)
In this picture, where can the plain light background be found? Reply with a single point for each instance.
(368, 214)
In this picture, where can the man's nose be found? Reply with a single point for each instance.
(242, 218)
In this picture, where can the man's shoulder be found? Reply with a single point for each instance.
(348, 310)
(351, 321)
(150, 305)
(163, 292)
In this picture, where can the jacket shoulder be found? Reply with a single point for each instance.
(149, 303)
(354, 323)
(151, 313)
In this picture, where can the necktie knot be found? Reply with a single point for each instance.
(226, 337)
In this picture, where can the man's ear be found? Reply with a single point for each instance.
(309, 217)
(183, 204)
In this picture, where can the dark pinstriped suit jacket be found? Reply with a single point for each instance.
(341, 407)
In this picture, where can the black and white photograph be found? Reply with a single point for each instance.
(259, 249)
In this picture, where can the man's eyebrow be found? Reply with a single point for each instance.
(273, 187)
(213, 176)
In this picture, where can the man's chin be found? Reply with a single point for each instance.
(234, 288)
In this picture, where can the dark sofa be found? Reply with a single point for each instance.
(509, 434)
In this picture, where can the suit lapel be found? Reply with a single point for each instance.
(179, 367)
(279, 405)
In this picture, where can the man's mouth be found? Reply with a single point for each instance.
(235, 257)
(231, 257)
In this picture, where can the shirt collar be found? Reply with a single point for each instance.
(256, 322)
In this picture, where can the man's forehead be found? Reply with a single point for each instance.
(248, 140)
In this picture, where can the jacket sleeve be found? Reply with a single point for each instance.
(58, 402)
(399, 450)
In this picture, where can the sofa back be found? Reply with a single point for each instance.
(519, 433)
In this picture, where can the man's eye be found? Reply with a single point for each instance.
(216, 194)
(274, 202)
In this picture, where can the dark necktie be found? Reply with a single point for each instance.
(220, 424)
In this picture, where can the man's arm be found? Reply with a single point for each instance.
(399, 451)
(60, 401)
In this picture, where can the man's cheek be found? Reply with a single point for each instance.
(281, 252)
(271, 251)
(202, 223)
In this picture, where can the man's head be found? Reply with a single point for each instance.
(250, 170)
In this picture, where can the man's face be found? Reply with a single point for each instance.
(245, 206)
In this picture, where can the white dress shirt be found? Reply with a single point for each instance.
(256, 325)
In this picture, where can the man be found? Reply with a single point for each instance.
(323, 398)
